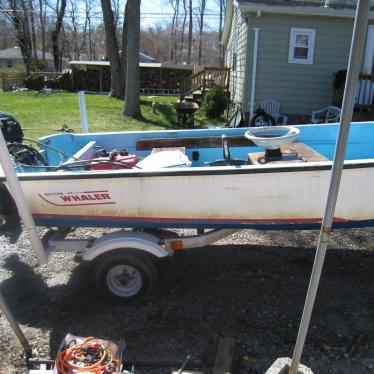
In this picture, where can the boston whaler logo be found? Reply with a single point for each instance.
(77, 198)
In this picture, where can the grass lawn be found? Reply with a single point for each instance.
(41, 114)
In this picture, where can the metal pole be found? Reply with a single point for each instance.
(15, 326)
(254, 71)
(20, 200)
(354, 65)
(83, 111)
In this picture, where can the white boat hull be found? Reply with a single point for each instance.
(251, 196)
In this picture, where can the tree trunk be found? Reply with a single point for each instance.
(42, 27)
(56, 33)
(33, 36)
(190, 36)
(175, 32)
(201, 24)
(173, 50)
(172, 33)
(20, 20)
(183, 31)
(132, 102)
(124, 48)
(116, 73)
(221, 50)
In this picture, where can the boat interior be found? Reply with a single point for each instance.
(218, 147)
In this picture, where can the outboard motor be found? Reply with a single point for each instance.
(21, 153)
(11, 129)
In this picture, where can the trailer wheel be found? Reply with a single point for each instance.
(126, 277)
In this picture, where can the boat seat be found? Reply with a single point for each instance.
(192, 142)
(85, 153)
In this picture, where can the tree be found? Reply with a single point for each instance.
(73, 28)
(173, 49)
(201, 29)
(189, 53)
(32, 24)
(42, 20)
(56, 33)
(222, 10)
(90, 51)
(132, 101)
(7, 38)
(116, 72)
(183, 29)
(17, 11)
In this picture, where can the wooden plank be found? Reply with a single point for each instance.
(306, 153)
(295, 152)
(224, 356)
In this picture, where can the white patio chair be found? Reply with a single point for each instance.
(329, 114)
(272, 107)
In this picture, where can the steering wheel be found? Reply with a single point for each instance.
(272, 137)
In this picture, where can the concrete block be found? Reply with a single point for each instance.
(282, 366)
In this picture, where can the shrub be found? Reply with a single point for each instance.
(215, 102)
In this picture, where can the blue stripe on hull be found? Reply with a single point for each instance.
(71, 221)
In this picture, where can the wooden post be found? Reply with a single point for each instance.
(100, 79)
(72, 78)
(204, 82)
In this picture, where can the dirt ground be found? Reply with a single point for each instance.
(250, 286)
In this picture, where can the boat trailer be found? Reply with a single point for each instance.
(124, 261)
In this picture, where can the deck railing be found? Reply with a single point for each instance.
(204, 79)
(365, 92)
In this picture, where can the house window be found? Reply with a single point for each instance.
(9, 63)
(234, 61)
(301, 46)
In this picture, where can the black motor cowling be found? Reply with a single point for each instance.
(10, 222)
(11, 129)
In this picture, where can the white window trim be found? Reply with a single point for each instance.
(368, 62)
(311, 33)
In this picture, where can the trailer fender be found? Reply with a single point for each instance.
(135, 240)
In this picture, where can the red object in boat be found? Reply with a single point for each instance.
(113, 162)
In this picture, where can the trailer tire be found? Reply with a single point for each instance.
(125, 277)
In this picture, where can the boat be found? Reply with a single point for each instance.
(209, 178)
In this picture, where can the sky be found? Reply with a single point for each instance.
(153, 11)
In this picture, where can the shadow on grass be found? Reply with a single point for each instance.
(167, 111)
(165, 115)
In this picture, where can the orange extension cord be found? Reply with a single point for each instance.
(78, 358)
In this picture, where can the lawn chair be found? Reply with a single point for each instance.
(329, 114)
(272, 107)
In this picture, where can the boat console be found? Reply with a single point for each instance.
(279, 146)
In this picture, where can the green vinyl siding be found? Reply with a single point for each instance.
(300, 88)
(237, 43)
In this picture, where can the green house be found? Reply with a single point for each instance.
(294, 52)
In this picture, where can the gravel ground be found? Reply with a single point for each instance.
(250, 286)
